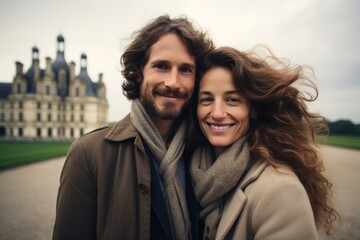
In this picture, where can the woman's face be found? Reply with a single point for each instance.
(223, 113)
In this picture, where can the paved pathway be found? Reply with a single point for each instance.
(28, 196)
(27, 200)
(344, 170)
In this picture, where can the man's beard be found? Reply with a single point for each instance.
(169, 110)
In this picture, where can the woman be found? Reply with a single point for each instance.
(256, 170)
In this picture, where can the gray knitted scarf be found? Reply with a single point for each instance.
(168, 162)
(213, 178)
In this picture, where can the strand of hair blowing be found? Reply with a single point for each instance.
(284, 130)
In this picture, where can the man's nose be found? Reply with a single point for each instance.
(173, 80)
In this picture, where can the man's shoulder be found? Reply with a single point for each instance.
(117, 131)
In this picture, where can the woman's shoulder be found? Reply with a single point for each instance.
(277, 198)
(265, 175)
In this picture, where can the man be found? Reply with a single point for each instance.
(130, 180)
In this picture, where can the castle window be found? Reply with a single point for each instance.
(11, 117)
(2, 117)
(77, 92)
(49, 106)
(38, 132)
(62, 79)
(81, 131)
(82, 107)
(38, 117)
(72, 107)
(71, 132)
(11, 132)
(18, 88)
(20, 105)
(21, 117)
(20, 132)
(49, 132)
(49, 117)
(47, 90)
(38, 105)
(72, 117)
(81, 118)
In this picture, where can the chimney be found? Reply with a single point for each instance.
(36, 65)
(100, 77)
(19, 68)
(48, 69)
(72, 71)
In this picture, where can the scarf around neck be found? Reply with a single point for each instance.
(214, 177)
(168, 163)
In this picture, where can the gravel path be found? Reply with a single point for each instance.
(27, 200)
(28, 196)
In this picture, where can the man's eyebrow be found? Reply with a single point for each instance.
(160, 61)
(189, 65)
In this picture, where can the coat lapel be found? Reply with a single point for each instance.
(236, 200)
(232, 208)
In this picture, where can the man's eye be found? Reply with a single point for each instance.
(186, 69)
(161, 66)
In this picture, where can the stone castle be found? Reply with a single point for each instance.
(52, 103)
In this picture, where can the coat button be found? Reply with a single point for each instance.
(142, 188)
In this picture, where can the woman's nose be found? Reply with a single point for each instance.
(218, 111)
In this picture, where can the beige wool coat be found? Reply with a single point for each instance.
(268, 203)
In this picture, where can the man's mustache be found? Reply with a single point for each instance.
(167, 92)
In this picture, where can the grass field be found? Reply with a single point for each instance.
(16, 153)
(352, 142)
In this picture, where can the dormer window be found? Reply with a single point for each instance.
(62, 79)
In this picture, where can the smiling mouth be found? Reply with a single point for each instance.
(220, 127)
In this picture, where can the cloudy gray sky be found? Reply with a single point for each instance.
(324, 34)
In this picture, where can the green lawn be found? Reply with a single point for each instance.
(15, 153)
(340, 141)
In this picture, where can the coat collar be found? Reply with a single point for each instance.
(122, 130)
(236, 200)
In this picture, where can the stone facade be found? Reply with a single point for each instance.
(52, 103)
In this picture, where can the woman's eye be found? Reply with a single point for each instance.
(233, 100)
(205, 100)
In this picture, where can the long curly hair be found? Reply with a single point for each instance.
(137, 53)
(283, 130)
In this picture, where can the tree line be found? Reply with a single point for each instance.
(343, 127)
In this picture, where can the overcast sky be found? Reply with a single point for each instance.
(324, 34)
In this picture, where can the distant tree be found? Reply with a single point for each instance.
(343, 127)
(357, 129)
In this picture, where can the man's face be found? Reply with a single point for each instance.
(169, 78)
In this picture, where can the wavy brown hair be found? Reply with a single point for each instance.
(283, 130)
(137, 53)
